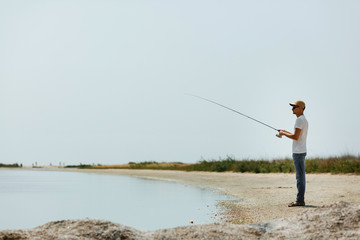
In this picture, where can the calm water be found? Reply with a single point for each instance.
(29, 198)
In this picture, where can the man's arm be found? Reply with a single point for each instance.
(295, 136)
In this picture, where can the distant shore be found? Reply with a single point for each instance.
(264, 196)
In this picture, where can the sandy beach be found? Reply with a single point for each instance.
(264, 197)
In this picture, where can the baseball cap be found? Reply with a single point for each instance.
(298, 103)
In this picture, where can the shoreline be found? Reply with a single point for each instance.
(332, 210)
(264, 197)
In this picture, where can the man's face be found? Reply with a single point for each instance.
(296, 110)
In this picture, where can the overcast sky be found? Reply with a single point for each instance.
(99, 81)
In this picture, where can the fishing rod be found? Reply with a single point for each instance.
(211, 101)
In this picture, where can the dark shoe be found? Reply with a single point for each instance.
(296, 204)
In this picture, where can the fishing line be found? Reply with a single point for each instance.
(211, 101)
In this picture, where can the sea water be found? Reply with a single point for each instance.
(29, 198)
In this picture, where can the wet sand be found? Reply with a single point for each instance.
(264, 196)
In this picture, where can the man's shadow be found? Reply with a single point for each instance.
(310, 206)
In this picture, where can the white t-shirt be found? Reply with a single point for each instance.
(299, 146)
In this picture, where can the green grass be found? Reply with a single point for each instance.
(343, 164)
(16, 165)
(81, 166)
(252, 166)
(334, 165)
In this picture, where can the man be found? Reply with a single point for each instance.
(299, 150)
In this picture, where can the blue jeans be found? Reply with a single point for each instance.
(299, 164)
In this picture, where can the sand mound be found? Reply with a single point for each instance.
(336, 221)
